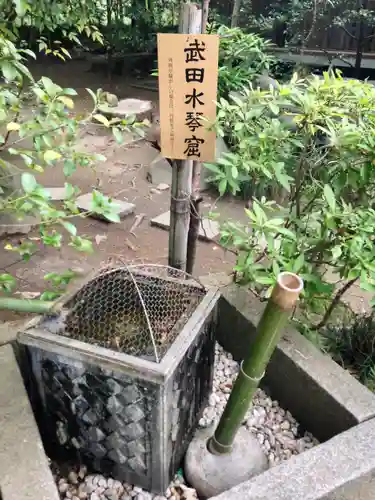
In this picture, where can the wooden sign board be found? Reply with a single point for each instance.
(188, 71)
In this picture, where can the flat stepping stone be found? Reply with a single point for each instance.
(128, 107)
(57, 193)
(208, 229)
(84, 204)
(10, 224)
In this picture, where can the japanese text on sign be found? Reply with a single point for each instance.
(188, 68)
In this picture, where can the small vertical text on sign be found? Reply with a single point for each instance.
(188, 73)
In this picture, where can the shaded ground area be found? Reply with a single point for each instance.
(123, 176)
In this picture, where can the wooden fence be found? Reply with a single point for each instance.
(323, 36)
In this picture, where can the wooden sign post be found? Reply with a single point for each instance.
(188, 70)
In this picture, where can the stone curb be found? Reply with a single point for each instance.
(343, 468)
(24, 469)
(9, 330)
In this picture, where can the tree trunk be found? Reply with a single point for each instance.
(360, 34)
(236, 13)
(196, 197)
(205, 8)
(190, 22)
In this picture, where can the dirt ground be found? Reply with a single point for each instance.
(123, 176)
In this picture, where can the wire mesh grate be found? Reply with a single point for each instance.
(138, 309)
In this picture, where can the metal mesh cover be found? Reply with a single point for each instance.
(138, 310)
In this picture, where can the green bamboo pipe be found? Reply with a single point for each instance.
(281, 303)
(26, 306)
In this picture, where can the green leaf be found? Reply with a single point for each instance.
(7, 282)
(82, 244)
(69, 167)
(367, 287)
(50, 295)
(28, 182)
(223, 186)
(118, 135)
(264, 280)
(69, 227)
(298, 263)
(102, 119)
(94, 98)
(21, 7)
(9, 71)
(112, 216)
(275, 268)
(287, 232)
(336, 252)
(13, 126)
(330, 197)
(213, 168)
(67, 101)
(274, 108)
(50, 87)
(51, 155)
(275, 222)
(282, 177)
(69, 91)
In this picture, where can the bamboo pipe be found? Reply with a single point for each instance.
(281, 303)
(25, 305)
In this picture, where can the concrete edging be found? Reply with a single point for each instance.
(340, 469)
(24, 468)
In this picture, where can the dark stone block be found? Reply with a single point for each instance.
(120, 414)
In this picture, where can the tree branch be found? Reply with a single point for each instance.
(334, 303)
(348, 33)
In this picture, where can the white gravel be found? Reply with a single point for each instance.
(275, 428)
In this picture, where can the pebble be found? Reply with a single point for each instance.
(275, 428)
(73, 477)
(63, 487)
(145, 496)
(111, 493)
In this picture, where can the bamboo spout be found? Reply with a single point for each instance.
(282, 301)
(24, 305)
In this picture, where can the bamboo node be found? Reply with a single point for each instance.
(253, 379)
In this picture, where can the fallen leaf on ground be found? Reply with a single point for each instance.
(137, 222)
(99, 238)
(162, 186)
(28, 295)
(130, 245)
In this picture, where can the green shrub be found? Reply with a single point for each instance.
(310, 146)
(353, 347)
(242, 57)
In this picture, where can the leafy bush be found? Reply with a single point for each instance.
(353, 347)
(242, 57)
(310, 142)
